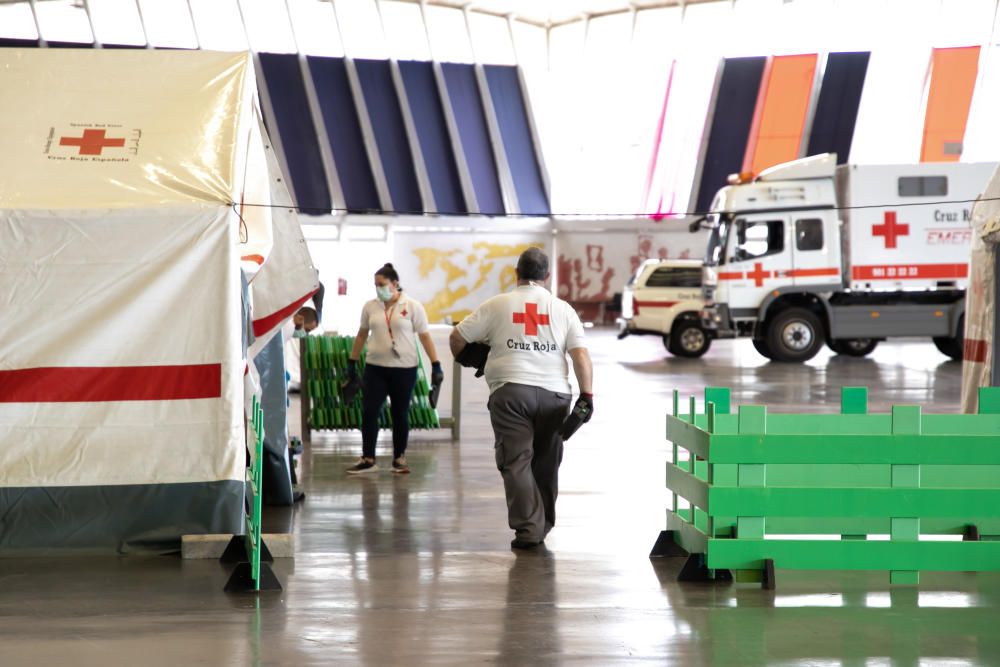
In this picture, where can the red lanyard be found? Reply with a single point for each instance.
(388, 324)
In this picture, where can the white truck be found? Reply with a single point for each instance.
(809, 252)
(663, 298)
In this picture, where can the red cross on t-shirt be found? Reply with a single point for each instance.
(891, 229)
(758, 274)
(92, 142)
(531, 319)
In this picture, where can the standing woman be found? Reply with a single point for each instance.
(390, 324)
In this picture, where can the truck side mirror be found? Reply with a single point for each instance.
(696, 224)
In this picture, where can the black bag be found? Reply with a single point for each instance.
(474, 355)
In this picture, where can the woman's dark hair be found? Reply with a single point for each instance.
(387, 271)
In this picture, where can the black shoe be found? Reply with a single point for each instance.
(362, 467)
(298, 496)
(525, 544)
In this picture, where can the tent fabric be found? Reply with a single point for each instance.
(123, 351)
(981, 297)
(161, 307)
(107, 145)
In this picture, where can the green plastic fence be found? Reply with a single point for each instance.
(325, 362)
(254, 480)
(752, 477)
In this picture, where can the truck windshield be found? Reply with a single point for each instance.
(715, 252)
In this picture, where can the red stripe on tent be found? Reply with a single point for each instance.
(812, 273)
(110, 383)
(257, 259)
(909, 271)
(268, 322)
(974, 351)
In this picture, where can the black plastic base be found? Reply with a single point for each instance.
(236, 551)
(695, 569)
(241, 580)
(767, 581)
(666, 546)
(971, 533)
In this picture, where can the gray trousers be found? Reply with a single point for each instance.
(528, 451)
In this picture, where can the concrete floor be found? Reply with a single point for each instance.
(416, 570)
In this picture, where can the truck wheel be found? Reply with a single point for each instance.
(853, 347)
(687, 339)
(952, 346)
(760, 345)
(795, 334)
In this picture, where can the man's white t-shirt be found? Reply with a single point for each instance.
(529, 332)
(408, 319)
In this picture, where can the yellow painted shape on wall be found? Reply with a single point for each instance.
(442, 304)
(429, 259)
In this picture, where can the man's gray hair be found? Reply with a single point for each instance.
(533, 264)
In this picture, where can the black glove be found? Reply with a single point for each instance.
(350, 389)
(578, 416)
(474, 355)
(437, 378)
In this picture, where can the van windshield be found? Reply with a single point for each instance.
(715, 251)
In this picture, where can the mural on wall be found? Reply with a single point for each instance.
(460, 271)
(594, 267)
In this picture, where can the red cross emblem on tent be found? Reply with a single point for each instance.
(531, 319)
(891, 229)
(92, 142)
(758, 274)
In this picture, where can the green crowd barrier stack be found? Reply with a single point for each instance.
(324, 372)
(764, 489)
(248, 550)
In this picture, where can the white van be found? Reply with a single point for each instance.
(664, 298)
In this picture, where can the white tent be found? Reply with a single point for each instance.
(134, 190)
(981, 298)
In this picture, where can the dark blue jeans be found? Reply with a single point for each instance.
(397, 384)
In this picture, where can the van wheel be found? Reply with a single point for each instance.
(687, 339)
(795, 334)
(760, 345)
(853, 347)
(952, 345)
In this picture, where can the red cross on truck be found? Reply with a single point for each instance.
(890, 229)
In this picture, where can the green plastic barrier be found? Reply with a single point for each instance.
(326, 371)
(249, 575)
(752, 477)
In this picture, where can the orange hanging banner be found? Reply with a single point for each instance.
(949, 97)
(780, 116)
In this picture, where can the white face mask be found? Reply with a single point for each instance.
(384, 292)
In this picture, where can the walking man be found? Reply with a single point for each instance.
(529, 332)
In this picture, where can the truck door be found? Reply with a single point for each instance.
(759, 260)
(816, 249)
